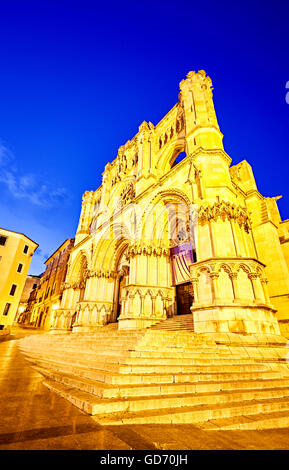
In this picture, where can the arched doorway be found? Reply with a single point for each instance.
(174, 224)
(182, 254)
(185, 298)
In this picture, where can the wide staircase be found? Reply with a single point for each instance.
(179, 322)
(168, 374)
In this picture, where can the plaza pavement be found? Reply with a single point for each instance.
(34, 418)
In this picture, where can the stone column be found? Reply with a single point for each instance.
(154, 305)
(195, 282)
(234, 277)
(214, 276)
(264, 283)
(142, 304)
(253, 277)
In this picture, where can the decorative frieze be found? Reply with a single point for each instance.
(147, 302)
(224, 210)
(88, 274)
(63, 319)
(232, 281)
(127, 195)
(145, 248)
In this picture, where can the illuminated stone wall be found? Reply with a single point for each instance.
(151, 200)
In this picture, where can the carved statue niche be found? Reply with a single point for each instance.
(94, 222)
(124, 270)
(128, 194)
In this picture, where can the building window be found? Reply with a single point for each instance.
(1, 327)
(2, 240)
(34, 286)
(26, 247)
(13, 289)
(6, 309)
(20, 266)
(181, 156)
(47, 293)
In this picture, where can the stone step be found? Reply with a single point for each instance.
(166, 375)
(138, 347)
(206, 354)
(271, 420)
(139, 351)
(176, 327)
(176, 408)
(250, 341)
(260, 414)
(123, 368)
(94, 345)
(146, 353)
(166, 345)
(149, 378)
(147, 369)
(106, 390)
(76, 342)
(47, 338)
(154, 346)
(253, 344)
(177, 322)
(127, 359)
(192, 338)
(170, 354)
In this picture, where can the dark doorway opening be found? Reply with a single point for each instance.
(73, 319)
(120, 285)
(185, 298)
(122, 281)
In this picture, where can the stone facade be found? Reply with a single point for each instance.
(45, 299)
(30, 284)
(172, 186)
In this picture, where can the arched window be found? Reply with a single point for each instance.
(93, 225)
(179, 158)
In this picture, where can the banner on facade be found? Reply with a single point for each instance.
(181, 257)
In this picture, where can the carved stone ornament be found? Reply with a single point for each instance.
(224, 210)
(127, 195)
(140, 248)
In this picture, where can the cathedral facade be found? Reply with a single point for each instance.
(175, 229)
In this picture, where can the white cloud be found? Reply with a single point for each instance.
(28, 186)
(6, 155)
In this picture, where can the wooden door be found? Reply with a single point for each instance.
(185, 297)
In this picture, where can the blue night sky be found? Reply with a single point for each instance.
(78, 78)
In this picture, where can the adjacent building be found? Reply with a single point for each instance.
(30, 284)
(46, 297)
(16, 251)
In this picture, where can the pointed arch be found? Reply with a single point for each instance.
(155, 220)
(78, 267)
(170, 153)
(110, 248)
